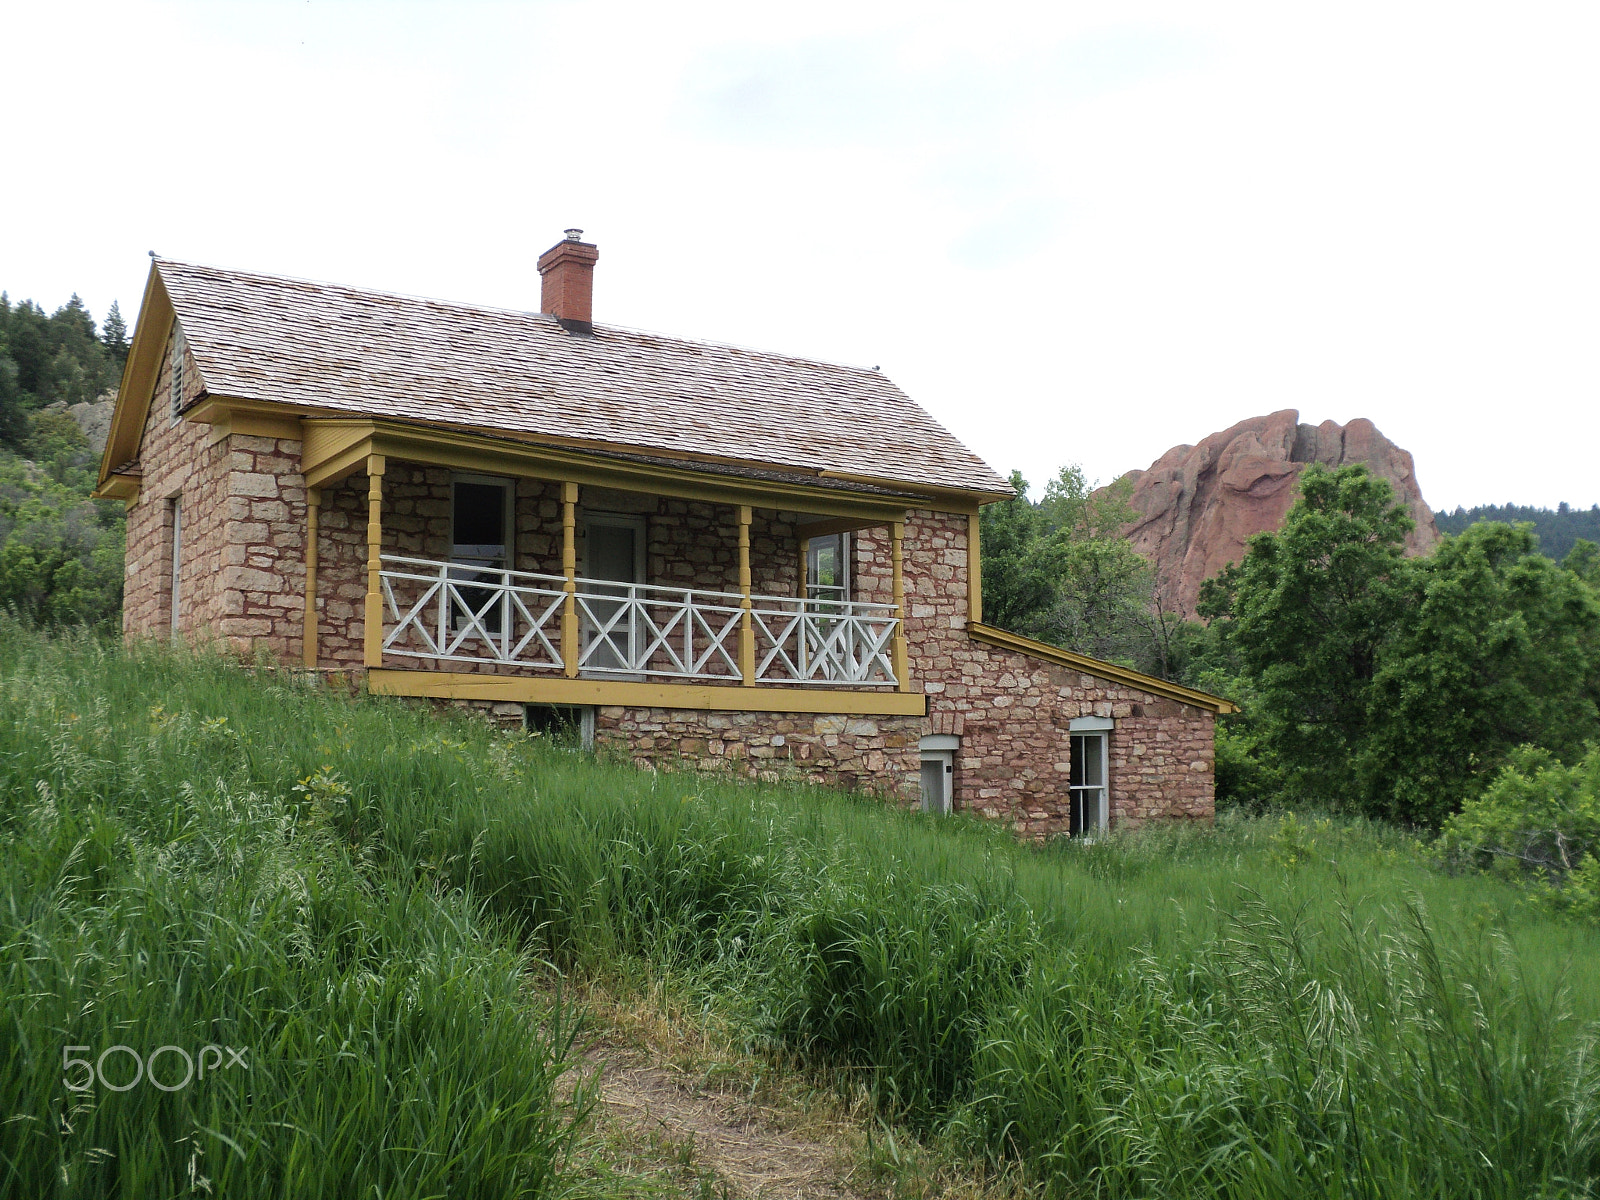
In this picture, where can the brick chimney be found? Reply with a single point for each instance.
(567, 269)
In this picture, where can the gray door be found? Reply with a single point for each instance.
(613, 555)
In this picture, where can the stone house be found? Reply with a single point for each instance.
(712, 556)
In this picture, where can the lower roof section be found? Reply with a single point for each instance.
(1002, 640)
(548, 689)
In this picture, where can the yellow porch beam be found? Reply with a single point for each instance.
(816, 529)
(555, 689)
(372, 645)
(308, 640)
(335, 448)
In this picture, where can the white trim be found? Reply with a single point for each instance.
(939, 741)
(1090, 724)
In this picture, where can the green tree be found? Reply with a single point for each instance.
(1020, 565)
(1061, 571)
(1306, 615)
(1583, 560)
(1499, 647)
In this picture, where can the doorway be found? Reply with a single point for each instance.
(480, 548)
(938, 772)
(613, 562)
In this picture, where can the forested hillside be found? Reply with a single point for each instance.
(1557, 529)
(60, 552)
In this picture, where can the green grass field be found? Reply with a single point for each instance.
(199, 854)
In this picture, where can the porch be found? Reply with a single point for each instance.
(499, 582)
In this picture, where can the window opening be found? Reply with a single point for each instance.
(1087, 784)
(828, 567)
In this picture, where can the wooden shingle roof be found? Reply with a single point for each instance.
(359, 352)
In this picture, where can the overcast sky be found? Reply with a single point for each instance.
(1075, 233)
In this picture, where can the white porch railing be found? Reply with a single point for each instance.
(450, 612)
(457, 613)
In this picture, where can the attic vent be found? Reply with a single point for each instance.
(179, 347)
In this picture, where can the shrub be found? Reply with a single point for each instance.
(1539, 821)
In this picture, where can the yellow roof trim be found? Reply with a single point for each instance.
(137, 388)
(1094, 666)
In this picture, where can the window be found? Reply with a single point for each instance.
(179, 352)
(174, 583)
(828, 567)
(481, 544)
(1087, 784)
(938, 772)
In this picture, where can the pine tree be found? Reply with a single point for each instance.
(114, 333)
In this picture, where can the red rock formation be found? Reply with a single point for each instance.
(1198, 505)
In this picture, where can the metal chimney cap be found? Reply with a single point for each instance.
(573, 235)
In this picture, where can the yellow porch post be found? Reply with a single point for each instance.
(747, 637)
(902, 671)
(805, 567)
(373, 640)
(308, 640)
(569, 568)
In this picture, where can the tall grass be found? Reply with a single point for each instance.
(158, 890)
(1271, 1008)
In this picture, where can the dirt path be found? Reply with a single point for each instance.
(743, 1144)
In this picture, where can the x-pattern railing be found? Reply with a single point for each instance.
(459, 612)
(642, 629)
(824, 641)
(472, 614)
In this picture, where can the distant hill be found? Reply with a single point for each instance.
(1557, 528)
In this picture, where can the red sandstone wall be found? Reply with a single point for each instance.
(1012, 712)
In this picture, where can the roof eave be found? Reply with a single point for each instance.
(1004, 640)
(137, 386)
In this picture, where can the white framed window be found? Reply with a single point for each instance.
(828, 567)
(1088, 785)
(179, 353)
(938, 772)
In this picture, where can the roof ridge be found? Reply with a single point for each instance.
(523, 312)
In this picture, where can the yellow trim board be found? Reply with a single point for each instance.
(336, 447)
(555, 689)
(1000, 639)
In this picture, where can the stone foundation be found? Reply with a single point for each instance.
(877, 754)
